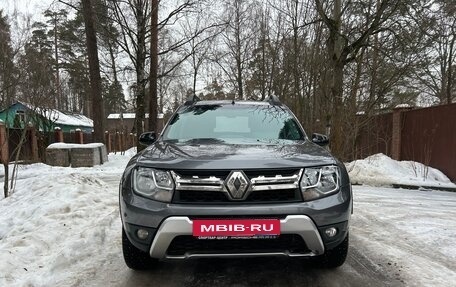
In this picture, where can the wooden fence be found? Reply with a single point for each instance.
(30, 145)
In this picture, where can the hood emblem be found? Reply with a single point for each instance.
(237, 184)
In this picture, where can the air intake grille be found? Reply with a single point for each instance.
(292, 243)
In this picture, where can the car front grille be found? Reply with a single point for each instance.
(209, 187)
(183, 244)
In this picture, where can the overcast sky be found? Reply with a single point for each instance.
(32, 7)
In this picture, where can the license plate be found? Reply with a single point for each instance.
(207, 228)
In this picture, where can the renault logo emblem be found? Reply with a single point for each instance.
(237, 184)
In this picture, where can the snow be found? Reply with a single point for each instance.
(62, 118)
(70, 146)
(413, 231)
(59, 222)
(69, 119)
(381, 170)
(61, 227)
(401, 106)
(124, 115)
(131, 116)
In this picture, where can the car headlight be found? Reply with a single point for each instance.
(319, 182)
(155, 184)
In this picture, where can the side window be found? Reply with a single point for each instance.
(19, 119)
(290, 131)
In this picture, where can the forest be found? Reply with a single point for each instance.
(329, 61)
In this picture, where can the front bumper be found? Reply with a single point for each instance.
(165, 221)
(294, 224)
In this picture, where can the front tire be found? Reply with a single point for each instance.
(335, 257)
(135, 258)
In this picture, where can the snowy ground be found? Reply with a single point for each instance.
(414, 230)
(59, 223)
(61, 227)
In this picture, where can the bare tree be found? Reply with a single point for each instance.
(237, 43)
(345, 40)
(198, 47)
(436, 21)
(264, 60)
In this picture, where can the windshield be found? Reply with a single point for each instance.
(233, 124)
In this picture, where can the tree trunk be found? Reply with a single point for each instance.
(58, 94)
(116, 107)
(337, 118)
(449, 85)
(373, 81)
(335, 47)
(356, 83)
(195, 70)
(5, 179)
(239, 79)
(113, 62)
(140, 69)
(153, 68)
(263, 56)
(94, 68)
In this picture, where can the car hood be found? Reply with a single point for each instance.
(233, 156)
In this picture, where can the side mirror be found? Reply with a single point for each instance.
(319, 139)
(147, 138)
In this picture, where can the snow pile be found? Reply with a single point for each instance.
(381, 170)
(59, 223)
(70, 146)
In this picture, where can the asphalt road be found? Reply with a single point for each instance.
(379, 254)
(359, 270)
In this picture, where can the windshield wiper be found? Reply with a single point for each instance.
(204, 140)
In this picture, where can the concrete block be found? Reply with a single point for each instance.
(85, 157)
(58, 157)
(103, 154)
(76, 155)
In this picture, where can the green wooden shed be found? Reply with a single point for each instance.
(19, 115)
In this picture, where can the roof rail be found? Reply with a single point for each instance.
(191, 100)
(273, 99)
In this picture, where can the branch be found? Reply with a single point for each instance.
(69, 5)
(184, 42)
(179, 9)
(378, 20)
(309, 23)
(329, 22)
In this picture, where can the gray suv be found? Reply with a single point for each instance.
(234, 179)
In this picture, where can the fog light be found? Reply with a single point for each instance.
(331, 232)
(142, 234)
